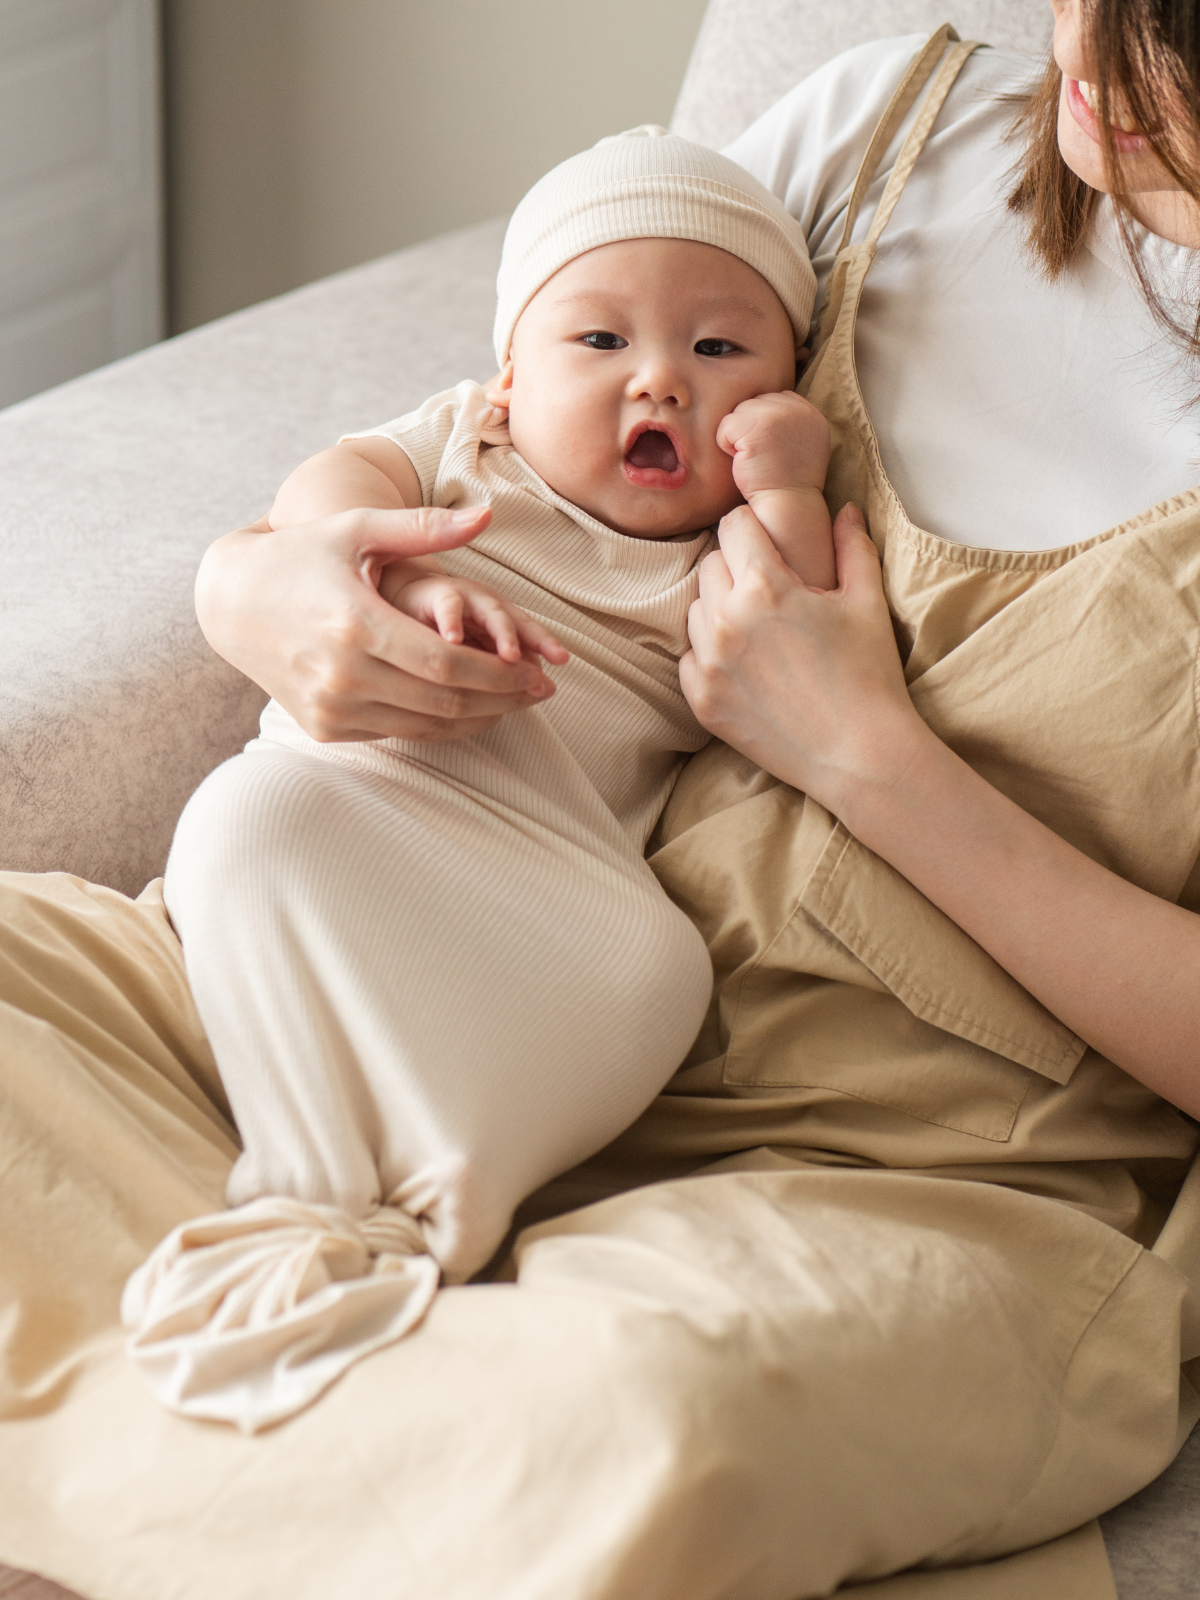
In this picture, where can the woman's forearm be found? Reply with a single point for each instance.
(1118, 965)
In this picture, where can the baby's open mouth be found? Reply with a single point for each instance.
(653, 458)
(653, 449)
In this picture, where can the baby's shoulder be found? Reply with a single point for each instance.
(456, 416)
(447, 420)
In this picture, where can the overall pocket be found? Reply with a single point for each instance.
(870, 991)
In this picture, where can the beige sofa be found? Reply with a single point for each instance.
(111, 486)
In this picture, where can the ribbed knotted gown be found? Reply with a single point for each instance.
(433, 975)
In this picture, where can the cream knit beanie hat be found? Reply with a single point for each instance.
(649, 184)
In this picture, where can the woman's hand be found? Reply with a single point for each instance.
(298, 611)
(805, 682)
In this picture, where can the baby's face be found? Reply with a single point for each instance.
(623, 365)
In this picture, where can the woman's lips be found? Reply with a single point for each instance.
(654, 457)
(1077, 100)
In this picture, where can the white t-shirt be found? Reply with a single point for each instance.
(1012, 413)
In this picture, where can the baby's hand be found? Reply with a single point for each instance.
(468, 613)
(780, 449)
(777, 441)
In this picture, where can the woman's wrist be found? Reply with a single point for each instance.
(869, 778)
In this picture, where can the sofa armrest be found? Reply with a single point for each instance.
(111, 487)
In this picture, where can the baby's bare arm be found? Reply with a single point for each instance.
(360, 473)
(780, 449)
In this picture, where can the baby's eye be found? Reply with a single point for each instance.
(603, 341)
(715, 347)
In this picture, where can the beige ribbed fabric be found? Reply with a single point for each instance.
(433, 976)
(649, 184)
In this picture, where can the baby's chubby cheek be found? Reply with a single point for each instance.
(527, 428)
(561, 452)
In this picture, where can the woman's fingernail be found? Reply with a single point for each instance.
(465, 519)
(854, 515)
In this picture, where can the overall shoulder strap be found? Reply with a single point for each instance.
(920, 69)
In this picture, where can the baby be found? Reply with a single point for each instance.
(436, 975)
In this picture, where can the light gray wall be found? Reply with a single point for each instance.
(307, 135)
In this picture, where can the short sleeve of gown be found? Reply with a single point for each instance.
(424, 434)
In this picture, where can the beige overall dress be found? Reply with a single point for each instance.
(917, 1282)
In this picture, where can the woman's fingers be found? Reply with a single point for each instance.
(715, 576)
(378, 537)
(346, 691)
(716, 585)
(759, 573)
(854, 551)
(745, 544)
(380, 721)
(749, 551)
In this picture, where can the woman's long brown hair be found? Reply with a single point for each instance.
(1147, 58)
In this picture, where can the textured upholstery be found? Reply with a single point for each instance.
(1154, 1539)
(111, 486)
(749, 52)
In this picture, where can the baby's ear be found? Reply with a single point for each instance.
(499, 390)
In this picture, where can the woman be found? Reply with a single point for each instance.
(896, 1301)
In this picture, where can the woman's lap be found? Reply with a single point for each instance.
(749, 1382)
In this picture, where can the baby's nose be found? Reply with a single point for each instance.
(660, 380)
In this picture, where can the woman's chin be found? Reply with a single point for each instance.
(1085, 158)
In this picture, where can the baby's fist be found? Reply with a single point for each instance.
(777, 441)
